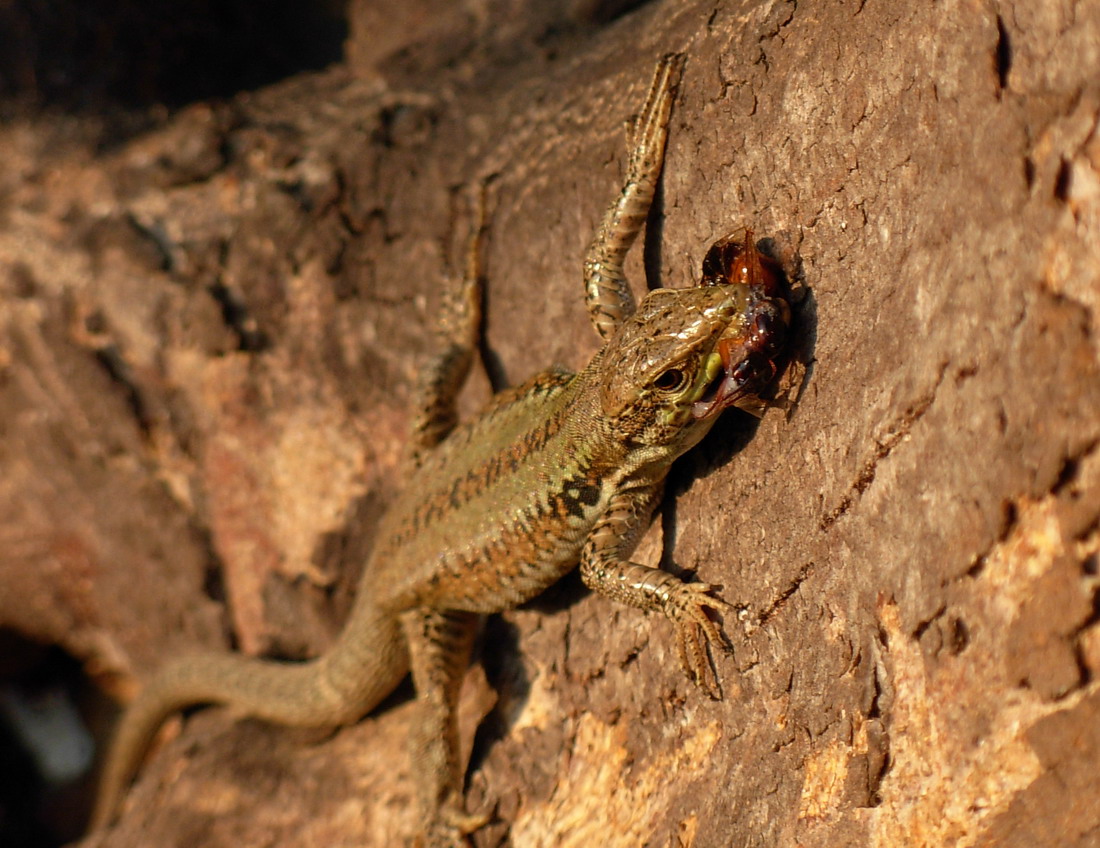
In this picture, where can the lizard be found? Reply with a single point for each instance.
(563, 470)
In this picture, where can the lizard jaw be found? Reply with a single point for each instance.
(744, 358)
(717, 390)
(734, 387)
(744, 362)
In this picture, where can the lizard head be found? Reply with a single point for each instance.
(687, 354)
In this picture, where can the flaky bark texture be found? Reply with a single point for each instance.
(210, 328)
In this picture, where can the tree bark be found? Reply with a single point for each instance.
(210, 329)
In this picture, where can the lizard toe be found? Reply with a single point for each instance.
(696, 630)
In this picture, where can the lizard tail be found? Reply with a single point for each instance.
(338, 688)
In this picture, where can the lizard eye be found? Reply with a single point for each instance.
(670, 380)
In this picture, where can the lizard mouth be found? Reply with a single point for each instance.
(719, 393)
(743, 363)
(744, 359)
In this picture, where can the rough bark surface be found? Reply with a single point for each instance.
(209, 330)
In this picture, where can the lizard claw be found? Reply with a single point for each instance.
(453, 828)
(695, 630)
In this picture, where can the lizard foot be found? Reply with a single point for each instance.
(452, 828)
(695, 630)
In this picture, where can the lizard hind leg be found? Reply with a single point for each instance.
(607, 292)
(440, 643)
(457, 334)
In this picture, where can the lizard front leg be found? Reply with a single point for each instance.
(606, 569)
(439, 651)
(607, 293)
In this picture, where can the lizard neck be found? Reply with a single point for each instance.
(595, 444)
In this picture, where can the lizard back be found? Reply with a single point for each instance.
(500, 509)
